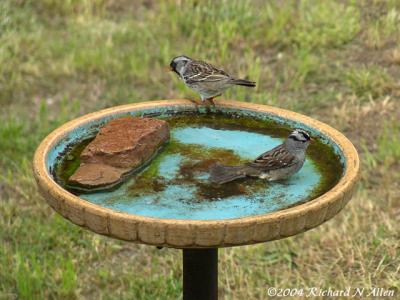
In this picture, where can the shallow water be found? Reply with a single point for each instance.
(176, 183)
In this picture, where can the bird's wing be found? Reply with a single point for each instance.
(201, 71)
(273, 159)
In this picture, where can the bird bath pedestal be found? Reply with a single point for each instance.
(173, 217)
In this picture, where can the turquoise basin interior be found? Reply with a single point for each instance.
(175, 185)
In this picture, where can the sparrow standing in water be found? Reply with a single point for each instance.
(204, 78)
(278, 163)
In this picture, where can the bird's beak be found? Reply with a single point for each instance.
(168, 69)
(312, 140)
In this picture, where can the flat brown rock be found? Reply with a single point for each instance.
(121, 146)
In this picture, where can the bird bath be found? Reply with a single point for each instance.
(171, 202)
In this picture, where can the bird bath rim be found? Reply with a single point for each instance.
(198, 233)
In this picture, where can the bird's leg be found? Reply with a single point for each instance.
(211, 100)
(195, 102)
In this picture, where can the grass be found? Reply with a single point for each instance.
(337, 61)
(368, 81)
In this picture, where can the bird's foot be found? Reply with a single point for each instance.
(195, 102)
(211, 101)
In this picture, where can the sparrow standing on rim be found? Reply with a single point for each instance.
(204, 78)
(278, 163)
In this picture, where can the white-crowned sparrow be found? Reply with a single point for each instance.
(277, 163)
(204, 78)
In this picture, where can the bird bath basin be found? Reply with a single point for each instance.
(171, 202)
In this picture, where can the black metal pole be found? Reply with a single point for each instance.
(200, 274)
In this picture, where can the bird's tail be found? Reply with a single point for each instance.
(222, 174)
(244, 82)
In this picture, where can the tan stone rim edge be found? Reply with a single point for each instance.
(198, 233)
